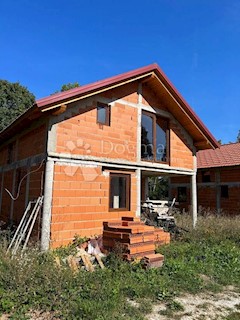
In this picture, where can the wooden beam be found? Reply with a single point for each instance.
(59, 110)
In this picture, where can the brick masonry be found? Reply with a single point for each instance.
(80, 201)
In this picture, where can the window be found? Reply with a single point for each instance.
(182, 194)
(224, 191)
(206, 177)
(154, 138)
(103, 114)
(119, 192)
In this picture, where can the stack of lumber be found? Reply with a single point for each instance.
(136, 239)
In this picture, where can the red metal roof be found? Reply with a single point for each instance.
(226, 155)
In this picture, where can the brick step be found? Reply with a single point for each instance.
(154, 257)
(125, 229)
(130, 248)
(161, 237)
(131, 219)
(139, 255)
(128, 237)
(152, 260)
(141, 247)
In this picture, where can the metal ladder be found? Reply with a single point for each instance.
(24, 229)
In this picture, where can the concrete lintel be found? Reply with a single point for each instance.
(155, 167)
(118, 165)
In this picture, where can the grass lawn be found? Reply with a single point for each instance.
(201, 260)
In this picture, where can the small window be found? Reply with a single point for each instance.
(206, 177)
(119, 192)
(103, 114)
(224, 191)
(182, 194)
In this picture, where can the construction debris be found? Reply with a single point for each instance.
(87, 257)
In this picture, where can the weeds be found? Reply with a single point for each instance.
(201, 260)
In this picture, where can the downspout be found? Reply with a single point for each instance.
(47, 205)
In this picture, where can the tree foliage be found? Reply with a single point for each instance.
(14, 100)
(238, 137)
(69, 86)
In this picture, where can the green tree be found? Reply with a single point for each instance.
(69, 86)
(14, 100)
(238, 137)
(158, 188)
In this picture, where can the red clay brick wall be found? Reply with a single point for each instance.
(6, 200)
(35, 186)
(32, 143)
(207, 191)
(127, 92)
(81, 202)
(180, 154)
(207, 197)
(83, 135)
(28, 144)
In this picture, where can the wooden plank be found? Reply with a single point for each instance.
(99, 260)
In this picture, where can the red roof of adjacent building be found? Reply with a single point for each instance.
(226, 155)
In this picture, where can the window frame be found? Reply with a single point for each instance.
(107, 108)
(155, 117)
(128, 191)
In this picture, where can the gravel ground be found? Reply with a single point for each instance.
(205, 306)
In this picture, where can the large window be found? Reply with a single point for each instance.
(154, 138)
(119, 192)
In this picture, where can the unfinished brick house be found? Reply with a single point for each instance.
(218, 180)
(90, 150)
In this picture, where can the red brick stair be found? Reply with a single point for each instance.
(136, 239)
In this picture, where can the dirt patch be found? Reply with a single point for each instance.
(205, 306)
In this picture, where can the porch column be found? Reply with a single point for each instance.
(138, 175)
(194, 198)
(47, 205)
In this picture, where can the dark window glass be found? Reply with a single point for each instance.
(224, 191)
(182, 194)
(103, 114)
(147, 137)
(206, 177)
(161, 140)
(119, 191)
(154, 138)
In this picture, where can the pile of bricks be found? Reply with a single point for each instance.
(135, 239)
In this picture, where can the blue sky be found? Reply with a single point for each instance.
(45, 44)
